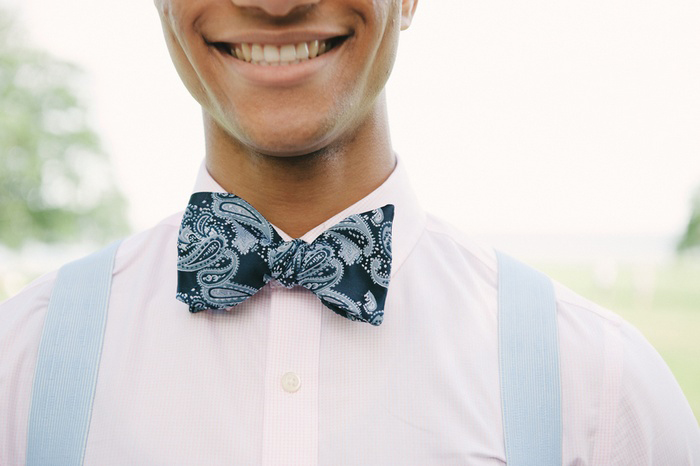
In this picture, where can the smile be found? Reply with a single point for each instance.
(276, 55)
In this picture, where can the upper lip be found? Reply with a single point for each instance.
(277, 37)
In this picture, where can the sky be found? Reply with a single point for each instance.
(527, 118)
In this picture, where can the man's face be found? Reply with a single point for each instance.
(262, 76)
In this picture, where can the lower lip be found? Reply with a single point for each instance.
(282, 75)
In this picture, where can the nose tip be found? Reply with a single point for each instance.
(274, 7)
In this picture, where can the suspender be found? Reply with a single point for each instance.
(529, 365)
(71, 344)
(69, 355)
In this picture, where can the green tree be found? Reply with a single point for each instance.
(55, 179)
(691, 237)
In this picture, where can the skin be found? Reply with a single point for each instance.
(301, 150)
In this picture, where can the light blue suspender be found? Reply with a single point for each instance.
(69, 355)
(71, 344)
(529, 365)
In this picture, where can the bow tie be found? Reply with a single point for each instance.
(227, 251)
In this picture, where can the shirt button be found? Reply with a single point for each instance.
(291, 382)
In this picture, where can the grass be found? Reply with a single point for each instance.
(662, 301)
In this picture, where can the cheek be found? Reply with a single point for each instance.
(180, 58)
(387, 55)
(386, 44)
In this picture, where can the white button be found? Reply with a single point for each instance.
(291, 382)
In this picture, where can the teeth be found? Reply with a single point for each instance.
(302, 51)
(288, 54)
(257, 52)
(272, 53)
(313, 49)
(247, 54)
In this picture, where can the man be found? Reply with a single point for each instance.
(296, 126)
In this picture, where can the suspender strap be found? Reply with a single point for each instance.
(529, 365)
(69, 355)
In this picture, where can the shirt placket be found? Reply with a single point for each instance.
(290, 425)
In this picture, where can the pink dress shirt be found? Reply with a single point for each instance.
(282, 380)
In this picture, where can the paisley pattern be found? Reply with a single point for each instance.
(227, 251)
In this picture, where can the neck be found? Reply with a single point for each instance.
(297, 193)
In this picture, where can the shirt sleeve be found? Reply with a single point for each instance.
(655, 424)
(21, 324)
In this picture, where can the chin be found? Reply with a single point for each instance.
(284, 140)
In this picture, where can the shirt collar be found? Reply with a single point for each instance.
(409, 217)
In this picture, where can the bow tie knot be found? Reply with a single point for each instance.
(286, 261)
(227, 252)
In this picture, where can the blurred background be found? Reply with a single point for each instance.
(565, 133)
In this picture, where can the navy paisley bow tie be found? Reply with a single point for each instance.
(227, 251)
